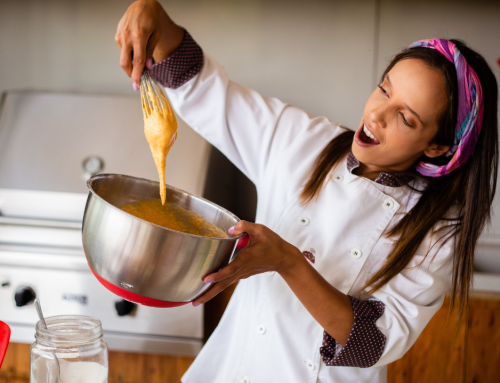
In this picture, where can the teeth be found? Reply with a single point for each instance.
(368, 133)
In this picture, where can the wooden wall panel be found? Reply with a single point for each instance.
(126, 367)
(436, 356)
(16, 365)
(483, 361)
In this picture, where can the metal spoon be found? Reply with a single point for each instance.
(44, 324)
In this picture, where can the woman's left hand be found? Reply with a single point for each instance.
(266, 251)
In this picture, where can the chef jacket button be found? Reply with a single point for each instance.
(303, 221)
(356, 253)
(261, 330)
(245, 379)
(388, 204)
(310, 365)
(338, 178)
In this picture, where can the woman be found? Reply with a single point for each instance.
(360, 234)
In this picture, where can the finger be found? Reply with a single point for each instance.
(242, 227)
(139, 60)
(126, 59)
(227, 272)
(150, 47)
(254, 231)
(221, 286)
(213, 291)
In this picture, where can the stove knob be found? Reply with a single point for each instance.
(91, 166)
(24, 296)
(124, 307)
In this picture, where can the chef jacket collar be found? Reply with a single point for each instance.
(383, 178)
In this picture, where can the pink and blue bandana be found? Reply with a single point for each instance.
(470, 109)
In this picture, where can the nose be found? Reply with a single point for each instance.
(378, 115)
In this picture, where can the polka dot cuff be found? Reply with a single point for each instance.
(365, 343)
(181, 66)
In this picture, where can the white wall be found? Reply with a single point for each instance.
(300, 51)
(316, 54)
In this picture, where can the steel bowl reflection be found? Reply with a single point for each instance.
(146, 263)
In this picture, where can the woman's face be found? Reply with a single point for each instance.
(401, 118)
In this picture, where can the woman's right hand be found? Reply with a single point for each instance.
(145, 31)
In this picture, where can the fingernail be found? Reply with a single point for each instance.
(230, 230)
(135, 86)
(196, 304)
(149, 63)
(209, 280)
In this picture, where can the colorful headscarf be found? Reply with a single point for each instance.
(469, 113)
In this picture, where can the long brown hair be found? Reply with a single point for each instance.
(469, 190)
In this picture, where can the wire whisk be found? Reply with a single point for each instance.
(152, 95)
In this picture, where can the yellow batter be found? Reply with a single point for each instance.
(160, 128)
(173, 217)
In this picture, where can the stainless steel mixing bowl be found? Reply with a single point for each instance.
(144, 262)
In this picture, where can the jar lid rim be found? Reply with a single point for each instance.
(69, 329)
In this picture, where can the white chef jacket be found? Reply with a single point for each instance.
(266, 334)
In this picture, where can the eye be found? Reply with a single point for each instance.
(404, 120)
(383, 90)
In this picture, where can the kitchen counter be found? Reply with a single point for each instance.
(486, 282)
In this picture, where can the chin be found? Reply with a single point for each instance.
(364, 155)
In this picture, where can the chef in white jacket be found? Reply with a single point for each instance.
(302, 311)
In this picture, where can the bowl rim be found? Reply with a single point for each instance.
(114, 175)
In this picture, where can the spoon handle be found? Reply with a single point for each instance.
(38, 309)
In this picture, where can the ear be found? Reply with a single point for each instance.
(435, 150)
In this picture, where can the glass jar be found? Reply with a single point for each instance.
(77, 342)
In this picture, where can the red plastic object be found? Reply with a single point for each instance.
(243, 242)
(136, 298)
(4, 340)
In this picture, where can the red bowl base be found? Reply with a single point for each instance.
(136, 298)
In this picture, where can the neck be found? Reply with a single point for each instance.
(367, 171)
(372, 171)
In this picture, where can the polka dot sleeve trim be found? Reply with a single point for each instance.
(181, 66)
(365, 343)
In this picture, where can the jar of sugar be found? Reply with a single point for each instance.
(77, 342)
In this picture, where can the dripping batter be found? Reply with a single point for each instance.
(160, 128)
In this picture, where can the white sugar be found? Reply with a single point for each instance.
(71, 372)
(83, 372)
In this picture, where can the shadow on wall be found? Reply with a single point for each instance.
(228, 187)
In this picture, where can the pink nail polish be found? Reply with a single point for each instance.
(230, 230)
(196, 304)
(209, 280)
(135, 86)
(149, 64)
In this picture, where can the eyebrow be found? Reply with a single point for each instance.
(406, 105)
(414, 113)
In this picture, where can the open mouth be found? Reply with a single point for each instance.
(364, 137)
